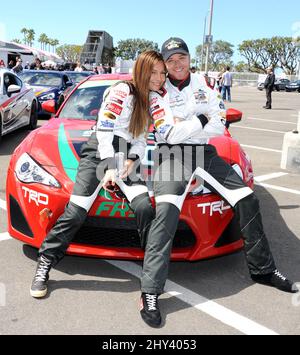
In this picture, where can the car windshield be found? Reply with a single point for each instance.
(39, 78)
(84, 103)
(78, 77)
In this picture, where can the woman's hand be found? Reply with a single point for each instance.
(128, 168)
(109, 179)
(177, 120)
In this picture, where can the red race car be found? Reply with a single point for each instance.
(42, 172)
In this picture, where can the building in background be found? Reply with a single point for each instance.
(98, 49)
(10, 51)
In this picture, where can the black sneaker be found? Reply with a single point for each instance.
(276, 279)
(149, 310)
(39, 283)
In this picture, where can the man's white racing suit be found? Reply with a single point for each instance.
(199, 114)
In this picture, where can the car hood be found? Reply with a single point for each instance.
(58, 144)
(41, 90)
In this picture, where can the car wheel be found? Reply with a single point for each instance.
(33, 116)
(277, 88)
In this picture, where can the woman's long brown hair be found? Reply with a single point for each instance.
(142, 71)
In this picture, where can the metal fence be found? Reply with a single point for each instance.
(250, 79)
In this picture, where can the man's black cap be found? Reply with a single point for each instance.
(172, 46)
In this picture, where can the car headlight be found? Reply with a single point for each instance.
(47, 96)
(28, 171)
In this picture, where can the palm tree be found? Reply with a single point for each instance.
(55, 44)
(47, 42)
(43, 40)
(24, 31)
(16, 40)
(51, 41)
(30, 37)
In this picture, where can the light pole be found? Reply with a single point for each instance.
(209, 38)
(203, 42)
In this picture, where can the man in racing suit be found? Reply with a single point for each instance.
(185, 116)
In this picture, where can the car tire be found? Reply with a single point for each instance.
(33, 116)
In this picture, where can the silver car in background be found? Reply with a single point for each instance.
(18, 104)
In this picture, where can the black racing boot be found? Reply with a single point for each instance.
(40, 280)
(149, 310)
(276, 279)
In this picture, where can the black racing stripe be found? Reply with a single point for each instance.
(180, 84)
(168, 135)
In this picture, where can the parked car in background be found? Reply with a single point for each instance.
(293, 86)
(280, 84)
(46, 84)
(76, 78)
(18, 104)
(42, 173)
(261, 86)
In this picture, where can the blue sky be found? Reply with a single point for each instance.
(157, 20)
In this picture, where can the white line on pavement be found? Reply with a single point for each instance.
(200, 303)
(269, 176)
(4, 236)
(261, 148)
(279, 188)
(3, 204)
(261, 119)
(258, 129)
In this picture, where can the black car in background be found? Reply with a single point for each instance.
(280, 84)
(46, 84)
(293, 86)
(76, 78)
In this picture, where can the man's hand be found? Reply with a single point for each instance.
(128, 168)
(109, 179)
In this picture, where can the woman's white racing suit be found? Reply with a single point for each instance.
(97, 156)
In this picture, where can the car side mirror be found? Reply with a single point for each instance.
(233, 116)
(49, 106)
(13, 89)
(69, 84)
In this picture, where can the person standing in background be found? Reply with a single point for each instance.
(269, 86)
(226, 84)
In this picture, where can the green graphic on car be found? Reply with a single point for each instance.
(70, 165)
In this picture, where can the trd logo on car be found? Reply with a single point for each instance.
(214, 207)
(36, 197)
